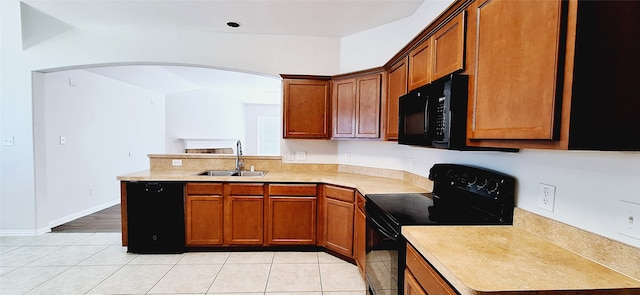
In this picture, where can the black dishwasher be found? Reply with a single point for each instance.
(155, 213)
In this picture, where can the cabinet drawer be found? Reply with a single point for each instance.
(292, 189)
(339, 193)
(251, 189)
(428, 277)
(204, 189)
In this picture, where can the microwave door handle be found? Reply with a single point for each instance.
(426, 116)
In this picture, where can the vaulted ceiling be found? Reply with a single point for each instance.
(43, 19)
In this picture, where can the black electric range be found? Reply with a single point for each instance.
(462, 195)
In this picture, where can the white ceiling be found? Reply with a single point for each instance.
(322, 18)
(243, 87)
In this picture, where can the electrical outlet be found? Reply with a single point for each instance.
(291, 156)
(546, 196)
(63, 140)
(629, 219)
(347, 157)
(176, 162)
(8, 141)
(301, 156)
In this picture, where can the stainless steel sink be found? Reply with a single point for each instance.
(218, 173)
(233, 173)
(250, 173)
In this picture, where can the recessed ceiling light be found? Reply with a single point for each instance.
(233, 24)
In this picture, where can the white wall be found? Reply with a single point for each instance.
(252, 113)
(266, 54)
(374, 47)
(202, 114)
(110, 127)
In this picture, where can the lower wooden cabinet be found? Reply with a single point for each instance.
(204, 214)
(338, 219)
(360, 234)
(411, 285)
(291, 214)
(421, 278)
(257, 214)
(243, 214)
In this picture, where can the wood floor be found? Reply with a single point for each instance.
(105, 221)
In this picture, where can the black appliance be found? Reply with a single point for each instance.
(155, 217)
(435, 114)
(462, 195)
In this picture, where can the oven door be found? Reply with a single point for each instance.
(385, 257)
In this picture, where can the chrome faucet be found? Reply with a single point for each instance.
(239, 162)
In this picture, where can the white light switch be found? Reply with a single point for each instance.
(63, 140)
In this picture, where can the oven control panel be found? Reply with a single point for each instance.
(475, 180)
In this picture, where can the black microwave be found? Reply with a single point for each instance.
(435, 114)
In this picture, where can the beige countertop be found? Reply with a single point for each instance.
(364, 183)
(497, 259)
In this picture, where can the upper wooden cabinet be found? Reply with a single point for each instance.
(420, 65)
(306, 101)
(396, 87)
(448, 48)
(356, 106)
(558, 76)
(516, 71)
(439, 55)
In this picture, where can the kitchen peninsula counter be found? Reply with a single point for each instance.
(364, 183)
(509, 260)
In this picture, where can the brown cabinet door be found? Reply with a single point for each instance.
(396, 87)
(204, 214)
(292, 221)
(517, 84)
(448, 48)
(244, 214)
(368, 106)
(306, 108)
(420, 65)
(411, 286)
(343, 103)
(244, 220)
(339, 226)
(204, 218)
(356, 107)
(360, 234)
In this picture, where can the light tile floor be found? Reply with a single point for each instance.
(95, 263)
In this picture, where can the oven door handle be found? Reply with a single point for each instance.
(384, 231)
